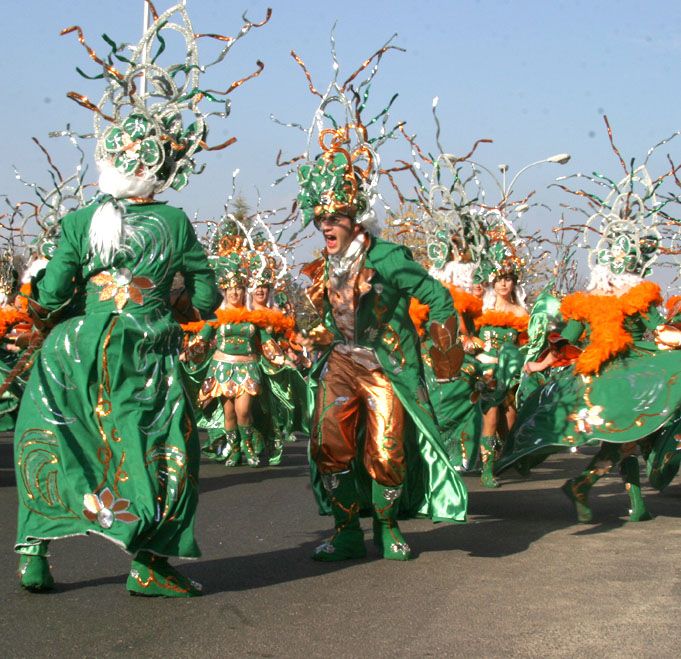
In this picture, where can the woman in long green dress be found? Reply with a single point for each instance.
(620, 392)
(105, 440)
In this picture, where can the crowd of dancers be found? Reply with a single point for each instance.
(454, 349)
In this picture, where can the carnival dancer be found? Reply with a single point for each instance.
(501, 328)
(236, 343)
(455, 244)
(621, 389)
(106, 441)
(283, 402)
(234, 377)
(371, 369)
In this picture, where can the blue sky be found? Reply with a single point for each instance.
(534, 75)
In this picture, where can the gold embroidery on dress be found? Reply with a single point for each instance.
(38, 460)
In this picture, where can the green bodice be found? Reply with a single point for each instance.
(236, 339)
(495, 337)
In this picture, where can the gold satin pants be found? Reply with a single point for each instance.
(348, 391)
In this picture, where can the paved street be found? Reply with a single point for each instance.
(521, 579)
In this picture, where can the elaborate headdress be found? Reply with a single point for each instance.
(447, 220)
(245, 253)
(154, 123)
(229, 254)
(344, 178)
(454, 228)
(623, 228)
(502, 256)
(32, 227)
(149, 121)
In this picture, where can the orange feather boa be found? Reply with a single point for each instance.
(502, 319)
(463, 301)
(271, 319)
(605, 315)
(9, 317)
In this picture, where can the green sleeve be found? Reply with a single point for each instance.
(207, 332)
(56, 287)
(198, 275)
(652, 318)
(572, 331)
(413, 280)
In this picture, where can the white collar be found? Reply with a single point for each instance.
(340, 264)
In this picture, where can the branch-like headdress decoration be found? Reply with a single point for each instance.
(344, 178)
(623, 229)
(149, 122)
(244, 252)
(32, 227)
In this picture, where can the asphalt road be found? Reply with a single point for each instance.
(521, 579)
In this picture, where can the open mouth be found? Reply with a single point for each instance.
(331, 241)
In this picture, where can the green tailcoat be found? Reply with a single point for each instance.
(389, 277)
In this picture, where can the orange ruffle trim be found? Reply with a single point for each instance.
(502, 319)
(605, 315)
(463, 301)
(9, 317)
(273, 320)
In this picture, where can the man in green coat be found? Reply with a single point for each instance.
(371, 373)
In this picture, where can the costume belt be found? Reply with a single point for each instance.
(220, 356)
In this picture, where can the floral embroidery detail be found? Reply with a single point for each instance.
(587, 417)
(121, 286)
(106, 509)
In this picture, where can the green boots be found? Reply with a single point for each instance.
(488, 447)
(348, 540)
(577, 489)
(230, 445)
(152, 576)
(213, 448)
(231, 451)
(251, 444)
(276, 449)
(630, 474)
(387, 535)
(34, 570)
